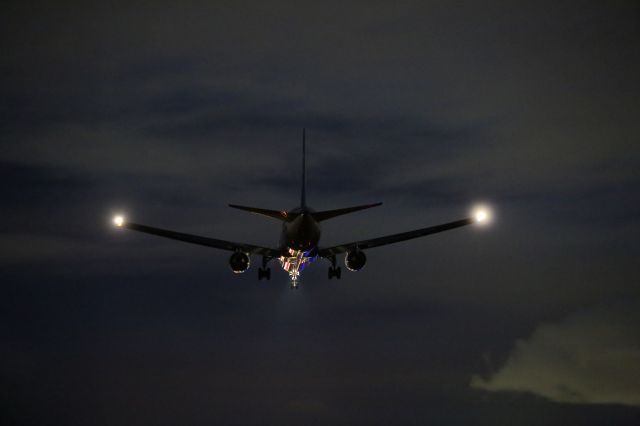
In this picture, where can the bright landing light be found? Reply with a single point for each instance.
(118, 221)
(482, 215)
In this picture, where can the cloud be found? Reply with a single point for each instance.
(591, 357)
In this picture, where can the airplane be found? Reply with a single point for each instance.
(300, 237)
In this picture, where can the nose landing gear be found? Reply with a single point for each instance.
(294, 285)
(294, 261)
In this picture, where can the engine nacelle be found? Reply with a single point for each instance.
(355, 260)
(239, 262)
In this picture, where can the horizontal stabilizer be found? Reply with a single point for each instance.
(328, 214)
(276, 214)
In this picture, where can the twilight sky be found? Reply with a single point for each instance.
(168, 111)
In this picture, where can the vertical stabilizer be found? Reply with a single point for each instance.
(303, 194)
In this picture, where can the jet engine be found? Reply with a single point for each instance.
(355, 260)
(239, 262)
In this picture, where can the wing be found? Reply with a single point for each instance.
(395, 238)
(203, 241)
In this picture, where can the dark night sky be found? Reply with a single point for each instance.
(169, 110)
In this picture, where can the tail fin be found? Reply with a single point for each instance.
(283, 215)
(303, 192)
(328, 214)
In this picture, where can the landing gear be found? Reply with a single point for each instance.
(264, 272)
(294, 285)
(334, 271)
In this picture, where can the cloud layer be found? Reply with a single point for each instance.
(590, 357)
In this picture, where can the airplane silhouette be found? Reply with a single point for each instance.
(300, 237)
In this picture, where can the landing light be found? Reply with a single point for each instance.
(118, 221)
(482, 215)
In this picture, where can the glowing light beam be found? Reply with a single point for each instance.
(482, 215)
(118, 221)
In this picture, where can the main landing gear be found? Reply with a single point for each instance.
(334, 271)
(294, 284)
(264, 272)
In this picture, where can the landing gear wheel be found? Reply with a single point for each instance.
(334, 272)
(264, 273)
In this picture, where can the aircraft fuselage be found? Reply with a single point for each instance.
(301, 233)
(299, 241)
